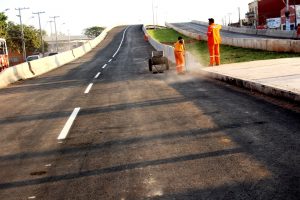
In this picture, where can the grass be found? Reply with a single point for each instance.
(229, 54)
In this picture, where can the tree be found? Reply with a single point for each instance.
(12, 33)
(93, 31)
(3, 25)
(31, 36)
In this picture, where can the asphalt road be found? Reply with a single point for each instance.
(139, 135)
(197, 28)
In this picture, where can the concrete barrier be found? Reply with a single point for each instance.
(279, 45)
(37, 67)
(64, 58)
(43, 65)
(15, 73)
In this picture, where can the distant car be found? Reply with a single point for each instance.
(33, 57)
(52, 53)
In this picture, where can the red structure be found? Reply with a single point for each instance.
(4, 63)
(271, 9)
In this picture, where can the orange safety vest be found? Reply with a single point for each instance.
(178, 47)
(213, 34)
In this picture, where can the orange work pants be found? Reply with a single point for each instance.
(214, 53)
(179, 58)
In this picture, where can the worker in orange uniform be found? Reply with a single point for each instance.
(179, 51)
(214, 39)
(146, 37)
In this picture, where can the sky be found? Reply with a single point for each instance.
(75, 16)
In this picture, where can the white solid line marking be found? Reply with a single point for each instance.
(48, 165)
(110, 60)
(104, 66)
(63, 134)
(32, 197)
(121, 42)
(97, 75)
(87, 90)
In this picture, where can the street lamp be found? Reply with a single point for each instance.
(156, 7)
(287, 17)
(240, 22)
(153, 13)
(41, 35)
(54, 19)
(229, 14)
(295, 14)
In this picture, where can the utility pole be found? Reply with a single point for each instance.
(22, 32)
(42, 42)
(54, 19)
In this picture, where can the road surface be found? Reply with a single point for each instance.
(197, 28)
(138, 135)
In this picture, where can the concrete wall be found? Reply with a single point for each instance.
(37, 67)
(277, 45)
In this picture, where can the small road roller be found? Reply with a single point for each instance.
(158, 62)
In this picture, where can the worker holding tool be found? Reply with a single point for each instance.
(179, 51)
(213, 40)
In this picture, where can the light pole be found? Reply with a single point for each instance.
(287, 17)
(22, 32)
(69, 38)
(50, 22)
(156, 8)
(295, 15)
(153, 14)
(54, 19)
(240, 22)
(229, 14)
(67, 32)
(51, 35)
(42, 42)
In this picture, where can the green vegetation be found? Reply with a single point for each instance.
(12, 33)
(166, 35)
(93, 31)
(229, 54)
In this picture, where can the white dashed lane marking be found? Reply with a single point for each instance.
(87, 90)
(97, 75)
(63, 134)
